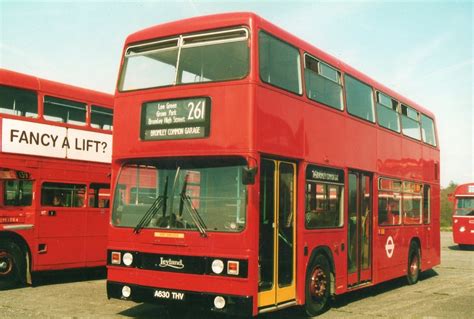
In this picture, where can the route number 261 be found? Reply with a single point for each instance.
(196, 110)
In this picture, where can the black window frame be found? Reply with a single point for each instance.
(300, 75)
(374, 120)
(404, 110)
(61, 104)
(339, 73)
(395, 108)
(434, 130)
(16, 91)
(104, 111)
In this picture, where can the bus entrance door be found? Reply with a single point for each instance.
(277, 234)
(359, 256)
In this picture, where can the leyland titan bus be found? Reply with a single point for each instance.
(463, 215)
(255, 172)
(55, 155)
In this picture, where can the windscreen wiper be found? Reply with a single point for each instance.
(188, 204)
(159, 202)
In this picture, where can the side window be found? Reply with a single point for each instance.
(323, 83)
(389, 202)
(279, 63)
(410, 122)
(324, 197)
(426, 204)
(17, 192)
(63, 195)
(101, 117)
(387, 112)
(359, 98)
(64, 111)
(427, 130)
(412, 201)
(99, 195)
(19, 102)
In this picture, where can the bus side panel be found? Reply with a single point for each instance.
(411, 166)
(324, 140)
(280, 123)
(389, 150)
(360, 141)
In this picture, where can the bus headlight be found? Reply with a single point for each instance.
(219, 302)
(462, 229)
(126, 291)
(217, 266)
(127, 259)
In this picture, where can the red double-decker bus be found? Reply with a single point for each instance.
(55, 154)
(256, 172)
(463, 215)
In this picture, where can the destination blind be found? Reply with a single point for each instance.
(176, 119)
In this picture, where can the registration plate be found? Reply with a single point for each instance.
(169, 295)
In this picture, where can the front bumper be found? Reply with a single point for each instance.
(235, 305)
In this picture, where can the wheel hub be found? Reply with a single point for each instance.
(318, 283)
(6, 263)
(414, 266)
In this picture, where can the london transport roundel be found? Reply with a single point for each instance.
(389, 247)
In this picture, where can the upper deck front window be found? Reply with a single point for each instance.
(465, 206)
(193, 58)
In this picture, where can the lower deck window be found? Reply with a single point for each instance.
(63, 195)
(389, 208)
(17, 192)
(324, 198)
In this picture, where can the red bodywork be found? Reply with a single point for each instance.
(55, 237)
(463, 217)
(252, 119)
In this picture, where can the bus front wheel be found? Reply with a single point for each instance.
(12, 264)
(318, 285)
(413, 270)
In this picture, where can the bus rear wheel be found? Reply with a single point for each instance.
(318, 283)
(12, 265)
(413, 270)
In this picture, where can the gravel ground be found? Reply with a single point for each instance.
(445, 292)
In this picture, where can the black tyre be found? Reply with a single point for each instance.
(413, 270)
(12, 265)
(318, 284)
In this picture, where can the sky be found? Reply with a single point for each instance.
(421, 49)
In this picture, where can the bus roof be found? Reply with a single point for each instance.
(215, 21)
(465, 190)
(30, 82)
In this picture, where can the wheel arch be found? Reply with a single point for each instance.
(326, 252)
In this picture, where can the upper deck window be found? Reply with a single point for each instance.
(101, 117)
(279, 63)
(192, 58)
(64, 111)
(427, 130)
(359, 97)
(18, 102)
(410, 122)
(387, 111)
(323, 83)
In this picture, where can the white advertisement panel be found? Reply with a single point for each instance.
(22, 137)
